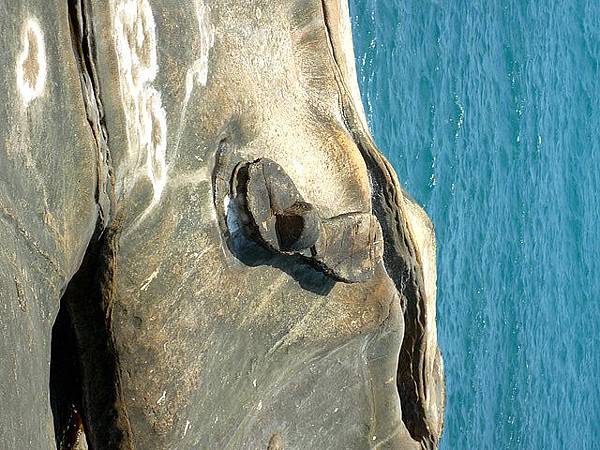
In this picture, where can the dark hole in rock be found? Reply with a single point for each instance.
(83, 377)
(65, 383)
(297, 227)
(289, 231)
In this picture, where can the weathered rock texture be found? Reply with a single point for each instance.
(201, 245)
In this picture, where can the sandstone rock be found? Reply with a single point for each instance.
(145, 304)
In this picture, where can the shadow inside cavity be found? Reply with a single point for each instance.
(231, 223)
(253, 254)
(65, 383)
(83, 377)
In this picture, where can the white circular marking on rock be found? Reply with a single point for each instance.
(136, 47)
(31, 63)
(136, 43)
(154, 131)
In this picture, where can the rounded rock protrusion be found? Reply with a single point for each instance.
(277, 212)
(272, 213)
(276, 442)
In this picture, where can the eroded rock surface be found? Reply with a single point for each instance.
(192, 190)
(271, 211)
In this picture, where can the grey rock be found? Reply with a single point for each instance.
(136, 311)
(271, 210)
(278, 214)
(350, 246)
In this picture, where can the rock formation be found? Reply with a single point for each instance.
(201, 245)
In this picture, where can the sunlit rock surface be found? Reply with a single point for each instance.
(203, 307)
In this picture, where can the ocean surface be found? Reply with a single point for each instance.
(490, 113)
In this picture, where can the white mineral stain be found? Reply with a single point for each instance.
(31, 63)
(149, 280)
(187, 427)
(154, 129)
(198, 72)
(135, 44)
(226, 201)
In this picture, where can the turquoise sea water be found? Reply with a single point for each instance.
(490, 113)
